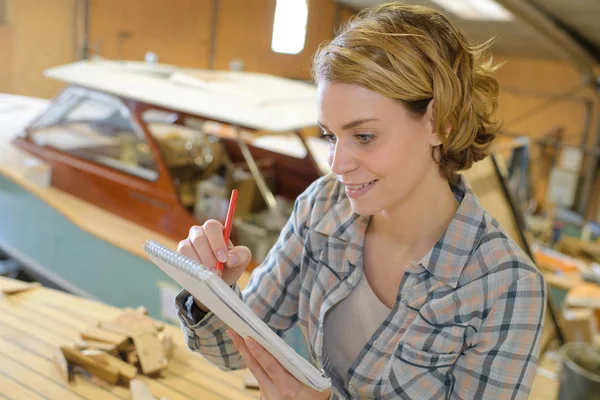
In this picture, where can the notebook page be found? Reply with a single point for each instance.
(286, 355)
(216, 295)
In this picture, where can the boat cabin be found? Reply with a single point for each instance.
(164, 146)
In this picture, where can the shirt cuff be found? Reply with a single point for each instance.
(189, 312)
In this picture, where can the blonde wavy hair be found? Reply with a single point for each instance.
(414, 54)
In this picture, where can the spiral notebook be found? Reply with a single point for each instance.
(217, 296)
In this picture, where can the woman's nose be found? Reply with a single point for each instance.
(340, 159)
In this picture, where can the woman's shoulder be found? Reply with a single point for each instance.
(499, 260)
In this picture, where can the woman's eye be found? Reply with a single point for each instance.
(330, 137)
(364, 138)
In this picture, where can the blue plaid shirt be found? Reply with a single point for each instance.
(467, 323)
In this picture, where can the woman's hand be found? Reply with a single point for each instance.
(206, 244)
(274, 380)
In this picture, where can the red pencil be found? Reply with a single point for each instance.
(228, 224)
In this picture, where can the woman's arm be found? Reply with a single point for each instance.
(503, 357)
(272, 294)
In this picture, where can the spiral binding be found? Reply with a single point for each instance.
(184, 264)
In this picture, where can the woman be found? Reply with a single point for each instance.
(403, 286)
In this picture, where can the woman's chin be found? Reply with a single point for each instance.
(363, 208)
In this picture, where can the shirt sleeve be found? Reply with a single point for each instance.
(272, 294)
(503, 356)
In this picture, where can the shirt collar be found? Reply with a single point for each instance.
(446, 259)
(449, 256)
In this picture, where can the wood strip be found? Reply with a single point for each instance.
(184, 360)
(188, 359)
(140, 391)
(126, 371)
(107, 373)
(31, 378)
(41, 363)
(19, 287)
(17, 390)
(231, 382)
(102, 335)
(197, 383)
(163, 387)
(61, 314)
(150, 352)
(51, 337)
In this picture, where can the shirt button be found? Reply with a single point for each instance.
(376, 343)
(351, 280)
(352, 388)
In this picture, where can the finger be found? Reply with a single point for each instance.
(185, 247)
(201, 245)
(264, 382)
(273, 368)
(214, 233)
(239, 257)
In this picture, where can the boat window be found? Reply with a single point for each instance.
(97, 127)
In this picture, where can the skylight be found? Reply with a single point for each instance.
(289, 27)
(479, 10)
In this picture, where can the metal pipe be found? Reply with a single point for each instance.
(86, 30)
(594, 151)
(212, 45)
(263, 188)
(309, 154)
(561, 40)
(591, 164)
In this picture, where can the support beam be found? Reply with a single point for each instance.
(562, 41)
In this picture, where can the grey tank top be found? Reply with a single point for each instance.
(350, 324)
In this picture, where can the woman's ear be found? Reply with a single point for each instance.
(434, 138)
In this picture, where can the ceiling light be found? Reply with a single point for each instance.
(479, 10)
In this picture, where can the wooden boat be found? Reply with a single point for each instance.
(138, 139)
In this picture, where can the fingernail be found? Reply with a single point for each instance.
(233, 260)
(222, 255)
(229, 334)
(250, 343)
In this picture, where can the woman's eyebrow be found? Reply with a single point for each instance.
(350, 125)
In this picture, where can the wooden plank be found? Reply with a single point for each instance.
(62, 316)
(167, 343)
(17, 391)
(205, 376)
(150, 351)
(161, 388)
(127, 372)
(61, 367)
(140, 391)
(107, 373)
(19, 287)
(102, 335)
(92, 344)
(34, 380)
(33, 351)
(35, 325)
(132, 322)
(55, 318)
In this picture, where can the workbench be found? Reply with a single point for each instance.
(33, 324)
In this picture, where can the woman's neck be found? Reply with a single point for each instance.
(418, 222)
